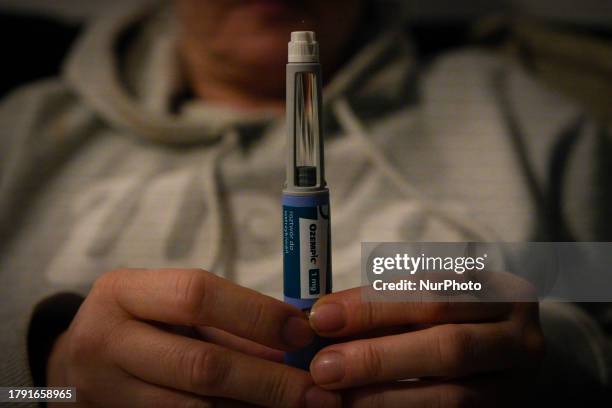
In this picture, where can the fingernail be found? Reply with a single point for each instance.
(297, 332)
(327, 368)
(319, 398)
(327, 318)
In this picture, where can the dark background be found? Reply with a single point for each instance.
(36, 34)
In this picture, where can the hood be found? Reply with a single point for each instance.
(125, 67)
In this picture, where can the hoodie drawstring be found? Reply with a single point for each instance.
(215, 202)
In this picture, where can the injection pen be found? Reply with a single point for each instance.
(306, 222)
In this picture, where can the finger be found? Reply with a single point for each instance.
(193, 297)
(347, 313)
(194, 366)
(452, 350)
(233, 342)
(479, 393)
(507, 287)
(134, 393)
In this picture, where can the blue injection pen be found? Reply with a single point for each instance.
(306, 222)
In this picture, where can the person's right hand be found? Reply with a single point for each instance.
(117, 352)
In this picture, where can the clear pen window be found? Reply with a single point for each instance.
(306, 129)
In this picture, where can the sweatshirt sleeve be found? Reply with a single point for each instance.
(40, 125)
(50, 318)
(578, 361)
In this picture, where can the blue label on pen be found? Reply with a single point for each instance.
(306, 240)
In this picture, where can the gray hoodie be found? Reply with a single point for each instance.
(98, 171)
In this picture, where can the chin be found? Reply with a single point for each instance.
(261, 37)
(264, 49)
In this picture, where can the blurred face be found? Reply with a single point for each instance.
(245, 41)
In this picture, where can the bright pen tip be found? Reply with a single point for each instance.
(307, 36)
(303, 47)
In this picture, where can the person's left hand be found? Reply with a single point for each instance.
(448, 346)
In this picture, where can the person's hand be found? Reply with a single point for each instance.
(123, 348)
(463, 353)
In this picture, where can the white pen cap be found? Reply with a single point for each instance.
(303, 47)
